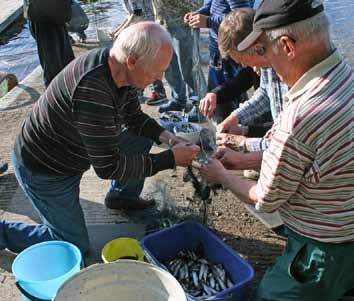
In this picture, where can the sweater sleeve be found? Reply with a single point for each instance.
(99, 126)
(205, 9)
(236, 86)
(215, 20)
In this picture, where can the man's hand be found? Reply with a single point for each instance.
(213, 172)
(197, 20)
(230, 125)
(170, 139)
(230, 140)
(184, 153)
(188, 16)
(207, 105)
(230, 158)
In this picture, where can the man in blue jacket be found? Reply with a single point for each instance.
(210, 15)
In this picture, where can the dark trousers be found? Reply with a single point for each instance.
(54, 48)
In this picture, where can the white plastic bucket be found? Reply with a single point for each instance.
(123, 280)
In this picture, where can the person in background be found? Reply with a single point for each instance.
(210, 15)
(46, 20)
(90, 116)
(79, 21)
(307, 171)
(142, 11)
(179, 75)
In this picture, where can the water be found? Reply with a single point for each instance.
(18, 52)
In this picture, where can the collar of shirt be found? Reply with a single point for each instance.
(313, 74)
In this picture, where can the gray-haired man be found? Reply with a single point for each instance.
(90, 116)
(307, 171)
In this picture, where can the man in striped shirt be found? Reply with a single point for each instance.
(307, 171)
(90, 115)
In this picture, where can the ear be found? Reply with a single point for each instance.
(288, 46)
(132, 61)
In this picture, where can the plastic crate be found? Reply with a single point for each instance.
(165, 244)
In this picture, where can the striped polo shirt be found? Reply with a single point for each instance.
(77, 121)
(308, 172)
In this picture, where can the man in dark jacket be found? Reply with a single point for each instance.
(47, 25)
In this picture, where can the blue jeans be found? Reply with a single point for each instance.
(179, 72)
(131, 144)
(56, 199)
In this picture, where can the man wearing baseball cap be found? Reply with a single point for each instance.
(307, 171)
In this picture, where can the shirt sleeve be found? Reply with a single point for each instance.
(99, 127)
(283, 166)
(137, 121)
(238, 3)
(235, 87)
(254, 144)
(205, 9)
(256, 106)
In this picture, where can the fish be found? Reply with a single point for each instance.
(199, 277)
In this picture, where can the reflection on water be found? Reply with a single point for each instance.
(18, 53)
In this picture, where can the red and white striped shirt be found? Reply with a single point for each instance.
(308, 172)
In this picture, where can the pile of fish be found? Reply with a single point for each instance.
(199, 277)
(171, 116)
(186, 128)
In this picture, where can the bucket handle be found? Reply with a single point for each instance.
(27, 294)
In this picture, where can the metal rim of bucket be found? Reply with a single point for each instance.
(51, 242)
(92, 268)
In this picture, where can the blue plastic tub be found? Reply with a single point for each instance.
(42, 268)
(165, 244)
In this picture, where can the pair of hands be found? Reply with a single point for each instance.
(217, 168)
(183, 151)
(195, 20)
(229, 133)
(228, 138)
(207, 107)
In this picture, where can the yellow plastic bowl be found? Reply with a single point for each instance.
(122, 248)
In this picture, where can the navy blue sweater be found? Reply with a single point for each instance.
(216, 10)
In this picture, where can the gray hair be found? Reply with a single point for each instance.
(313, 30)
(143, 39)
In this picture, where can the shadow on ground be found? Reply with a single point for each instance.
(33, 96)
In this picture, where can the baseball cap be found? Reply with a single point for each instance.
(277, 13)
